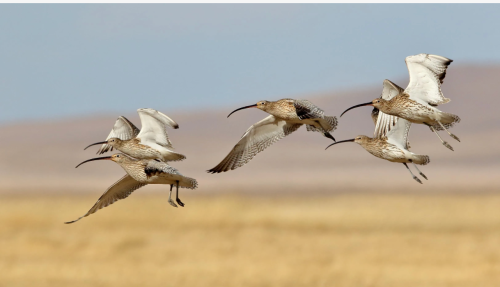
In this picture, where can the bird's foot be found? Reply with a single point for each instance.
(417, 179)
(180, 202)
(455, 137)
(448, 146)
(423, 175)
(172, 202)
(328, 135)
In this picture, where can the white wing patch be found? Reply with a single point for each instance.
(390, 90)
(123, 129)
(427, 73)
(398, 135)
(384, 124)
(153, 130)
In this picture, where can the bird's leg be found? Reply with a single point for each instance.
(444, 143)
(414, 177)
(177, 195)
(423, 175)
(170, 197)
(451, 135)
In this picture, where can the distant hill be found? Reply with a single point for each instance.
(40, 156)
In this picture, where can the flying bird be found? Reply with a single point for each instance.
(417, 103)
(287, 115)
(140, 172)
(390, 141)
(151, 142)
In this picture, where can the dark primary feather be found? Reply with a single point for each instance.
(307, 110)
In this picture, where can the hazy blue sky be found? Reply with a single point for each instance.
(62, 60)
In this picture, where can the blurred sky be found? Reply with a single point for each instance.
(62, 60)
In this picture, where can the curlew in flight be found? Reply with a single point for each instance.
(390, 141)
(287, 115)
(151, 142)
(417, 103)
(140, 172)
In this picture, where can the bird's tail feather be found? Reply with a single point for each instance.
(448, 120)
(421, 159)
(329, 124)
(188, 182)
(173, 156)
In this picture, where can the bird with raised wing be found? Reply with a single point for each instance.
(390, 141)
(151, 142)
(287, 115)
(417, 103)
(140, 172)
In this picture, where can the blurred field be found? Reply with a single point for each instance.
(342, 240)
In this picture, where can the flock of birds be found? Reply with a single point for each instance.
(145, 153)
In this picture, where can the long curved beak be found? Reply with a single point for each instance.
(245, 107)
(344, 141)
(97, 158)
(356, 106)
(95, 144)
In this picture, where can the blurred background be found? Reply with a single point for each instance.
(296, 215)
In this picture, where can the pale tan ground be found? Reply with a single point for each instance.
(342, 240)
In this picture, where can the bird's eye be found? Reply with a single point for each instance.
(117, 155)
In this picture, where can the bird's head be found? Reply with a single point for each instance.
(361, 139)
(262, 105)
(379, 103)
(119, 158)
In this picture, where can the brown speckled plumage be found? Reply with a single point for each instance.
(140, 172)
(418, 102)
(287, 115)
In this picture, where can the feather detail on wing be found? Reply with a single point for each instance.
(427, 73)
(119, 190)
(153, 128)
(257, 138)
(394, 129)
(123, 129)
(157, 168)
(307, 110)
(390, 90)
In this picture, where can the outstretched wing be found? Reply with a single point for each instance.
(153, 130)
(384, 122)
(257, 138)
(119, 190)
(390, 90)
(427, 73)
(394, 129)
(123, 129)
(307, 110)
(398, 135)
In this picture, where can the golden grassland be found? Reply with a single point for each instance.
(341, 240)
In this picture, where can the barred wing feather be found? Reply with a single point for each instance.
(257, 138)
(119, 190)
